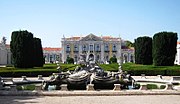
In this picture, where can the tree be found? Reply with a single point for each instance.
(164, 48)
(70, 60)
(38, 53)
(113, 60)
(22, 49)
(129, 44)
(143, 50)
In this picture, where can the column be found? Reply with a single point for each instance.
(102, 52)
(119, 57)
(80, 48)
(63, 52)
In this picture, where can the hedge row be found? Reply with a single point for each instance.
(133, 69)
(151, 70)
(46, 71)
(29, 73)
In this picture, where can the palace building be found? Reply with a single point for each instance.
(177, 58)
(5, 54)
(100, 49)
(52, 55)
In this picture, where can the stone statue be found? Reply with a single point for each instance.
(3, 40)
(82, 59)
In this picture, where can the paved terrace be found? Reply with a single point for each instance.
(92, 97)
(147, 99)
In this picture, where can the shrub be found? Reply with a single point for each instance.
(152, 86)
(162, 86)
(70, 60)
(151, 70)
(143, 50)
(113, 60)
(164, 48)
(30, 87)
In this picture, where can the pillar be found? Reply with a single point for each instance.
(117, 87)
(64, 87)
(90, 87)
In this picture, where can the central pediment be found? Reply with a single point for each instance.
(91, 37)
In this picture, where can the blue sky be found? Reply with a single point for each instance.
(50, 19)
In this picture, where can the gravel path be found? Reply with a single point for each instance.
(148, 99)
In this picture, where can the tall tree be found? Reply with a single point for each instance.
(38, 53)
(164, 48)
(143, 50)
(22, 49)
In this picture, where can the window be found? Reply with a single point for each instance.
(91, 47)
(68, 48)
(114, 47)
(57, 57)
(107, 58)
(75, 58)
(97, 47)
(75, 48)
(106, 47)
(84, 47)
(97, 58)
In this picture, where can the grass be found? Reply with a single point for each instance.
(109, 67)
(152, 86)
(30, 87)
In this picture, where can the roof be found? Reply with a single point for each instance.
(74, 38)
(7, 45)
(93, 37)
(51, 49)
(127, 48)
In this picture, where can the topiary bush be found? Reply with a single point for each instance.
(113, 60)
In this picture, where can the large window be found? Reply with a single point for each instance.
(97, 58)
(114, 47)
(98, 47)
(75, 47)
(84, 48)
(106, 48)
(91, 47)
(75, 58)
(68, 48)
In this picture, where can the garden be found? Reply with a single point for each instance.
(131, 68)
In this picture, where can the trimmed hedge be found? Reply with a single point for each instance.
(109, 67)
(45, 71)
(133, 69)
(151, 70)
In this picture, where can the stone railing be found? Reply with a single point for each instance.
(143, 81)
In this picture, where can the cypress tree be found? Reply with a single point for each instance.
(164, 48)
(143, 50)
(22, 49)
(38, 57)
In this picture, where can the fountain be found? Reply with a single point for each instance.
(89, 73)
